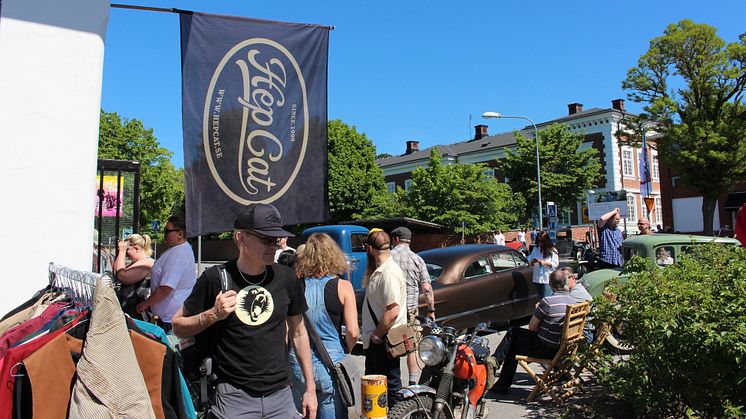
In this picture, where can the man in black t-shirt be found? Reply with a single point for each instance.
(246, 324)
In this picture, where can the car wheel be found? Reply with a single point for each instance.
(615, 343)
(578, 254)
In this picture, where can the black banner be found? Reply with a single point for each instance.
(255, 119)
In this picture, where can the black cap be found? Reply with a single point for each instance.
(402, 233)
(263, 219)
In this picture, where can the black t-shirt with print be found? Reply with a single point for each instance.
(250, 350)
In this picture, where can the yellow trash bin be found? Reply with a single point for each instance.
(374, 396)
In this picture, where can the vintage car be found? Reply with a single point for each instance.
(479, 283)
(661, 249)
(569, 248)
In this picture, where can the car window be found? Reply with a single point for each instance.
(358, 241)
(478, 267)
(434, 271)
(664, 255)
(503, 260)
(628, 253)
(688, 249)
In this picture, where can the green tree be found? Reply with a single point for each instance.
(450, 195)
(567, 171)
(161, 184)
(692, 84)
(384, 204)
(354, 176)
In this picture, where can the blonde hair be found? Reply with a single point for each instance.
(321, 256)
(142, 241)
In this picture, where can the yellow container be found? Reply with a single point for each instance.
(374, 396)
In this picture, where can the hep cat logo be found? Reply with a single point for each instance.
(255, 122)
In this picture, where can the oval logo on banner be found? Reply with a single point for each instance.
(255, 128)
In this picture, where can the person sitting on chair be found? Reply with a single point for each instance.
(542, 339)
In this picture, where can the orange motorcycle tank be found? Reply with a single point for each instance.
(466, 367)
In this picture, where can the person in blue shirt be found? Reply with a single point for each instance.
(610, 240)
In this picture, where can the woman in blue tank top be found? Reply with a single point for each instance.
(331, 301)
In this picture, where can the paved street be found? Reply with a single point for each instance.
(503, 406)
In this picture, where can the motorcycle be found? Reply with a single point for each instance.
(458, 372)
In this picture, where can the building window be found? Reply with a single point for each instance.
(407, 184)
(658, 211)
(564, 216)
(654, 169)
(488, 173)
(627, 165)
(631, 208)
(391, 187)
(674, 181)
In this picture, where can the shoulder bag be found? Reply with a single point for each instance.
(346, 372)
(400, 340)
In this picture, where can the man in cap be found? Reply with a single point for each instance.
(383, 308)
(418, 282)
(246, 323)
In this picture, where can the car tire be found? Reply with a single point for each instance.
(615, 345)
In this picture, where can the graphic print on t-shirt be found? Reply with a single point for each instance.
(254, 305)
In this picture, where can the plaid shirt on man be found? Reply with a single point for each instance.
(610, 245)
(414, 269)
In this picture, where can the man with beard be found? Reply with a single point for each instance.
(384, 307)
(246, 323)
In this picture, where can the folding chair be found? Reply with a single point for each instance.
(589, 355)
(558, 379)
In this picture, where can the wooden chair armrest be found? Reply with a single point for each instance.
(531, 360)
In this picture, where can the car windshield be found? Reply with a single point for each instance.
(434, 271)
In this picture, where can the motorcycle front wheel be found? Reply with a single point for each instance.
(412, 408)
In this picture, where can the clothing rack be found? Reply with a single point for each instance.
(80, 284)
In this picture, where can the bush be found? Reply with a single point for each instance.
(687, 323)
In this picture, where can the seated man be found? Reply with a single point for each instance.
(542, 339)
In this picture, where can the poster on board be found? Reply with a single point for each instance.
(602, 202)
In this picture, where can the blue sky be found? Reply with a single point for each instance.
(416, 70)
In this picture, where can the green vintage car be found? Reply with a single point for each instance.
(661, 249)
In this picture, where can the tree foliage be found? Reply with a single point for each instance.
(686, 323)
(161, 185)
(692, 84)
(567, 171)
(452, 194)
(354, 176)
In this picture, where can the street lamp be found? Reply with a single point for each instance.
(488, 115)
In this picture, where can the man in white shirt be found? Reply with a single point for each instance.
(499, 238)
(282, 246)
(173, 275)
(384, 307)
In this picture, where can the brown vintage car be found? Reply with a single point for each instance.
(476, 283)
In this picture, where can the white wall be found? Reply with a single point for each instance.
(51, 64)
(687, 215)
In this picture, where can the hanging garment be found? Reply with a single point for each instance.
(109, 382)
(51, 371)
(13, 359)
(28, 313)
(180, 390)
(17, 333)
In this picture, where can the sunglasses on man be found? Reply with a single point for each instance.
(266, 240)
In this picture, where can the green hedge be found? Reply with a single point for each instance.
(687, 323)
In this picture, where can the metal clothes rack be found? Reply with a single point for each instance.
(80, 284)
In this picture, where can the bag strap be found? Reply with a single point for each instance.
(372, 314)
(317, 343)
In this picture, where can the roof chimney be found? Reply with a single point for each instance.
(618, 104)
(480, 131)
(412, 147)
(574, 108)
